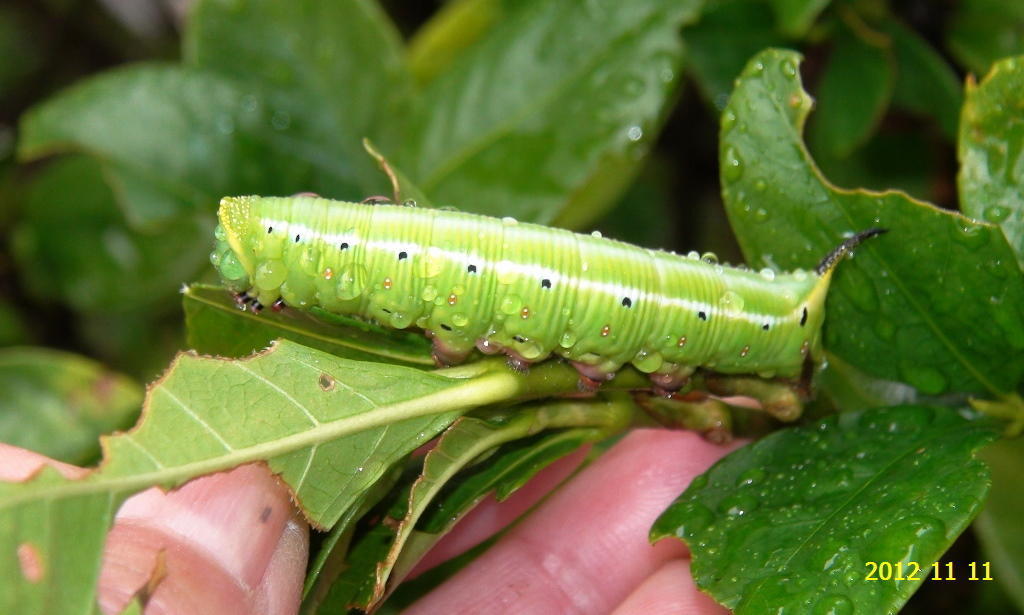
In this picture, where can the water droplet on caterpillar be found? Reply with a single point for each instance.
(731, 301)
(432, 263)
(270, 275)
(351, 282)
(510, 305)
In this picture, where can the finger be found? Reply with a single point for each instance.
(670, 590)
(221, 542)
(586, 548)
(20, 464)
(491, 516)
(281, 588)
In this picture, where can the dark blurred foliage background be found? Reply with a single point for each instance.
(46, 45)
(887, 77)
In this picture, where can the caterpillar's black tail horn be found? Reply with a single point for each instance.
(845, 248)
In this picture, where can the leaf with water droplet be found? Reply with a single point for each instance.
(991, 151)
(554, 109)
(955, 337)
(894, 484)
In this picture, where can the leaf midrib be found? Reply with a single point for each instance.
(471, 393)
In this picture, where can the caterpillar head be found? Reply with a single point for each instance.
(234, 261)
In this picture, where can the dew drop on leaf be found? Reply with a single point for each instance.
(732, 164)
(833, 605)
(997, 213)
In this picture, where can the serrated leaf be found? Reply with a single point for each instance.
(475, 453)
(341, 63)
(57, 403)
(331, 559)
(329, 427)
(938, 302)
(558, 96)
(983, 31)
(998, 525)
(990, 151)
(790, 522)
(855, 89)
(217, 327)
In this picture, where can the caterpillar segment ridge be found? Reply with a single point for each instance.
(525, 290)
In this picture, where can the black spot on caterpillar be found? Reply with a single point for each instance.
(684, 313)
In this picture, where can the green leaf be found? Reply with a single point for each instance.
(998, 525)
(216, 326)
(925, 82)
(938, 302)
(728, 34)
(457, 25)
(329, 427)
(172, 140)
(850, 389)
(559, 97)
(497, 454)
(990, 150)
(341, 65)
(58, 403)
(983, 31)
(790, 522)
(332, 557)
(855, 89)
(72, 245)
(795, 17)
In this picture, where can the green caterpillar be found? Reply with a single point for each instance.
(526, 290)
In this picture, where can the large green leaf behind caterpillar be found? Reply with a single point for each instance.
(527, 290)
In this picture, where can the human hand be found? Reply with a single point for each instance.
(585, 549)
(232, 543)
